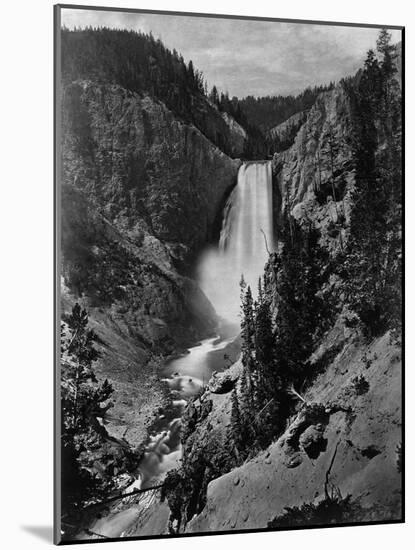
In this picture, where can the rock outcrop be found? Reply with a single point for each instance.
(224, 382)
(282, 136)
(313, 179)
(238, 135)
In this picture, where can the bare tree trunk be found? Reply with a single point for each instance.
(266, 242)
(292, 391)
(326, 483)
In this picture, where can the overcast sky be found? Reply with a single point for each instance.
(249, 57)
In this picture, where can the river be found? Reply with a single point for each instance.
(185, 376)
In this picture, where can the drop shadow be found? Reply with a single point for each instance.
(42, 532)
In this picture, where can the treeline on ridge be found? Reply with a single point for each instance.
(269, 111)
(141, 63)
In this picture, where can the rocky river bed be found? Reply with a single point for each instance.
(185, 376)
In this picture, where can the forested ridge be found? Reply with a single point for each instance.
(142, 64)
(134, 60)
(265, 112)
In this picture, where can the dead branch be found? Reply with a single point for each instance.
(266, 242)
(263, 408)
(73, 339)
(125, 495)
(93, 533)
(326, 483)
(292, 391)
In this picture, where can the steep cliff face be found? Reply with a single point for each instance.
(138, 62)
(238, 135)
(142, 167)
(314, 177)
(282, 136)
(141, 192)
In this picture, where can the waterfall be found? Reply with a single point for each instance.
(247, 219)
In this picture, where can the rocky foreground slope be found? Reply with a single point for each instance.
(346, 432)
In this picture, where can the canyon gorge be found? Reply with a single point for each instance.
(182, 230)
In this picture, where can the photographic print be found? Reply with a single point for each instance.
(229, 205)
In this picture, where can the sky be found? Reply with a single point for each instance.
(249, 57)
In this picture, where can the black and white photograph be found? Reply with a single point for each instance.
(229, 260)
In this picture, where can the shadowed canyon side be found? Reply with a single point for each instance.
(231, 296)
(119, 194)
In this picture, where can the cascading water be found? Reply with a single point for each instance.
(247, 231)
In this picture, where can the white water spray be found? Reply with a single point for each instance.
(247, 230)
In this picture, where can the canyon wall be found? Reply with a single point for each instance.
(314, 178)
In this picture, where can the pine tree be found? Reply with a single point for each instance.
(191, 72)
(246, 412)
(82, 396)
(89, 457)
(77, 372)
(373, 260)
(264, 349)
(247, 325)
(214, 96)
(236, 420)
(388, 53)
(248, 341)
